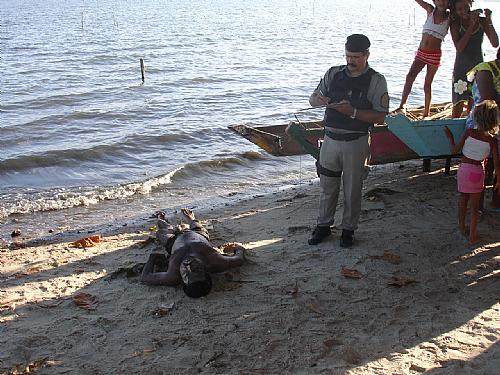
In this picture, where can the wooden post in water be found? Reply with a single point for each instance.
(142, 69)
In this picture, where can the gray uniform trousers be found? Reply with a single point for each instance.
(350, 158)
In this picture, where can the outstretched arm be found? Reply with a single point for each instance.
(219, 263)
(428, 7)
(169, 278)
(456, 148)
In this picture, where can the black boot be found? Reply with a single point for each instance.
(319, 234)
(347, 238)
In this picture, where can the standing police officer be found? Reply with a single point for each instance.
(356, 98)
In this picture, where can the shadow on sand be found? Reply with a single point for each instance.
(289, 310)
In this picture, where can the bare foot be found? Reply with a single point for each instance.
(400, 109)
(165, 230)
(473, 241)
(181, 227)
(188, 214)
(161, 215)
(163, 224)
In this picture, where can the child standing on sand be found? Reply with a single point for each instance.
(467, 29)
(429, 51)
(476, 145)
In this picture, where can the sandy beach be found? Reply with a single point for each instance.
(411, 297)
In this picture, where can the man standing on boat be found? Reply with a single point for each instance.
(356, 98)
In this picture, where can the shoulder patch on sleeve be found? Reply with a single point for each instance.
(384, 100)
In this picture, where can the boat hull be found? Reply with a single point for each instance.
(306, 138)
(402, 137)
(425, 137)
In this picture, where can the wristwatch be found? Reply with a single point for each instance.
(354, 113)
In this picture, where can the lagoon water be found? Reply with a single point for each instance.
(83, 141)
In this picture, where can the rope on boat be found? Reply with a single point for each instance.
(310, 108)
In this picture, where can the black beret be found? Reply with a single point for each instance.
(357, 43)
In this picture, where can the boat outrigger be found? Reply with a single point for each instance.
(404, 136)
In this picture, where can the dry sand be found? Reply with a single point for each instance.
(289, 310)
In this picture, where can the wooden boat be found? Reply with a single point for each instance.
(403, 137)
(306, 137)
(425, 137)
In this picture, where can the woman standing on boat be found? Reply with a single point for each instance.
(467, 30)
(429, 51)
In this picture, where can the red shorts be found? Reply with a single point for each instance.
(429, 57)
(470, 178)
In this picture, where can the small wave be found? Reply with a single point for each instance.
(23, 47)
(62, 199)
(66, 198)
(60, 98)
(50, 158)
(206, 167)
(201, 80)
(253, 155)
(67, 121)
(70, 157)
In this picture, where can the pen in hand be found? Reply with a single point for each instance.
(324, 99)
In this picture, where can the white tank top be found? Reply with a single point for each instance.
(437, 30)
(475, 149)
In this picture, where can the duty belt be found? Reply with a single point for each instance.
(343, 136)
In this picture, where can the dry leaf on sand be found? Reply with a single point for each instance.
(139, 353)
(28, 272)
(87, 241)
(163, 309)
(351, 273)
(388, 257)
(329, 343)
(30, 367)
(400, 281)
(17, 245)
(314, 308)
(293, 292)
(230, 247)
(85, 301)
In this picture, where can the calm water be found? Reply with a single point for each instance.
(78, 129)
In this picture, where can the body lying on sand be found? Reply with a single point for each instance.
(187, 257)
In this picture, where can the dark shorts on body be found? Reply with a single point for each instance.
(196, 227)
